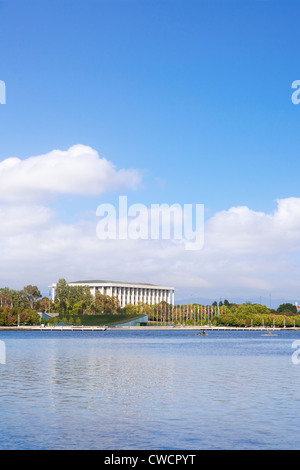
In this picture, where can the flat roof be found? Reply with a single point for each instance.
(111, 282)
(116, 283)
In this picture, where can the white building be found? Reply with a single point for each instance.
(128, 292)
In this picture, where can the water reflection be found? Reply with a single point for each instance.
(148, 390)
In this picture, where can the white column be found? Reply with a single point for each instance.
(122, 297)
(132, 295)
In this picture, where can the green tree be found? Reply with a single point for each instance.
(287, 309)
(61, 291)
(12, 298)
(106, 304)
(34, 318)
(78, 308)
(129, 309)
(67, 298)
(42, 305)
(31, 294)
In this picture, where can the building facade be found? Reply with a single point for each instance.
(127, 292)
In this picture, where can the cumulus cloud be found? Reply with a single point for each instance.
(241, 230)
(245, 252)
(23, 218)
(78, 170)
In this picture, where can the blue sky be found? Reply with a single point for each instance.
(195, 95)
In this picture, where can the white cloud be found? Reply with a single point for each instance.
(241, 230)
(20, 219)
(78, 170)
(245, 252)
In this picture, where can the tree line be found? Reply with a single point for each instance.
(22, 307)
(19, 306)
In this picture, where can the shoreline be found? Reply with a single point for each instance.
(145, 328)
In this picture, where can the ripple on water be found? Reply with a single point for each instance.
(149, 390)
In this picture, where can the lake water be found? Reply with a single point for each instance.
(149, 390)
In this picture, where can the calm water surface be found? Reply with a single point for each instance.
(149, 390)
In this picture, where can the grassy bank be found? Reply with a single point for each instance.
(99, 320)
